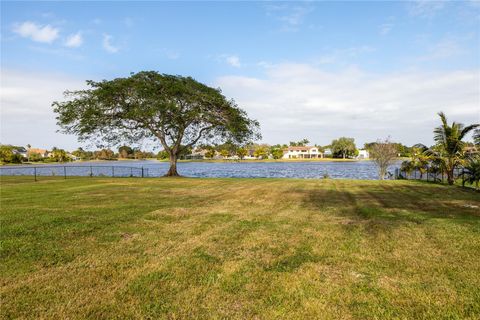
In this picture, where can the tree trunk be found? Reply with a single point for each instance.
(172, 172)
(450, 178)
(343, 155)
(382, 173)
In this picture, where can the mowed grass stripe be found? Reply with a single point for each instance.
(182, 248)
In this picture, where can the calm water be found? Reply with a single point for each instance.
(342, 170)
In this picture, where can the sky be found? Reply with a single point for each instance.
(315, 70)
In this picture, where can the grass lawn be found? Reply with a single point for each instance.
(161, 248)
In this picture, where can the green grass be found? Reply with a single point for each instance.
(125, 248)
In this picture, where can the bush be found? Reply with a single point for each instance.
(162, 155)
(7, 155)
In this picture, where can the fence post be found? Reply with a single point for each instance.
(142, 171)
(131, 172)
(91, 172)
(113, 171)
(65, 172)
(35, 173)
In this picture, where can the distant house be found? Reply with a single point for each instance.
(363, 154)
(21, 151)
(200, 154)
(42, 152)
(250, 154)
(196, 154)
(302, 153)
(327, 152)
(73, 157)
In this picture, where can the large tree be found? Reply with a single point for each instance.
(449, 145)
(178, 111)
(343, 147)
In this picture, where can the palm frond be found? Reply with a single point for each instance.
(439, 135)
(467, 129)
(443, 118)
(476, 136)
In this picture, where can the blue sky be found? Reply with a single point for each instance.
(304, 69)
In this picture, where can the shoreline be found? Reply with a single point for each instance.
(192, 160)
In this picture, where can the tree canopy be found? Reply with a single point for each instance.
(177, 111)
(301, 143)
(449, 144)
(447, 154)
(343, 147)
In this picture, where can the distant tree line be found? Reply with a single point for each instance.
(343, 147)
(123, 152)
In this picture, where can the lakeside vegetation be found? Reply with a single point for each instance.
(107, 248)
(335, 151)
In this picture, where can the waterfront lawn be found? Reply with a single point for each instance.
(161, 248)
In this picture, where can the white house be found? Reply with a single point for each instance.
(363, 154)
(302, 153)
(21, 151)
(197, 154)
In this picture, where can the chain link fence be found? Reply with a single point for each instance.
(36, 173)
(427, 175)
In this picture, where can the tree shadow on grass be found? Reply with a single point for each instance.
(384, 207)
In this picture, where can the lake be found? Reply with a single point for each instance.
(310, 170)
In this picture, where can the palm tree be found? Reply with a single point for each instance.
(449, 141)
(471, 171)
(421, 163)
(407, 168)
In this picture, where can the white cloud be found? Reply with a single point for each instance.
(343, 56)
(291, 16)
(444, 49)
(425, 8)
(26, 113)
(107, 44)
(74, 40)
(386, 28)
(36, 32)
(170, 54)
(234, 61)
(294, 101)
